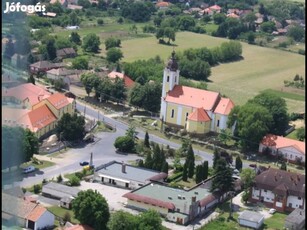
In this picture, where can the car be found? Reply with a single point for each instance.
(253, 165)
(272, 210)
(84, 163)
(29, 169)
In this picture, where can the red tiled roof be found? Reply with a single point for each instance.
(163, 4)
(199, 115)
(159, 176)
(224, 107)
(79, 227)
(41, 117)
(36, 213)
(197, 98)
(232, 15)
(127, 80)
(152, 201)
(33, 92)
(215, 7)
(208, 199)
(59, 100)
(282, 142)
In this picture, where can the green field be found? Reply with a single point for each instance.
(286, 95)
(261, 68)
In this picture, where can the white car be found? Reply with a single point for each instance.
(272, 210)
(29, 169)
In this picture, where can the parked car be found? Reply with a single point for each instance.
(84, 163)
(253, 165)
(29, 169)
(272, 210)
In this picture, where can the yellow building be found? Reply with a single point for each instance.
(196, 110)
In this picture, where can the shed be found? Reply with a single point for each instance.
(66, 202)
(59, 191)
(251, 219)
(295, 220)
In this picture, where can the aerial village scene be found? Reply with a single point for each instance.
(153, 115)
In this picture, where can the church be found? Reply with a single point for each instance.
(195, 110)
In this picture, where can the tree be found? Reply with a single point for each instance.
(67, 217)
(198, 174)
(124, 144)
(224, 135)
(131, 132)
(59, 178)
(51, 49)
(59, 84)
(283, 166)
(74, 19)
(121, 220)
(277, 107)
(296, 32)
(222, 180)
(31, 79)
(146, 140)
(148, 160)
(112, 42)
(164, 167)
(90, 81)
(300, 134)
(205, 170)
(219, 18)
(91, 43)
(251, 37)
(114, 55)
(239, 163)
(138, 11)
(150, 220)
(75, 38)
(31, 144)
(186, 23)
(80, 63)
(22, 46)
(74, 181)
(190, 160)
(246, 195)
(70, 127)
(216, 157)
(268, 27)
(185, 172)
(91, 208)
(100, 21)
(247, 177)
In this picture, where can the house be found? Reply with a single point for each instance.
(291, 150)
(66, 202)
(126, 176)
(163, 5)
(279, 189)
(59, 191)
(295, 220)
(196, 110)
(176, 205)
(66, 53)
(232, 15)
(43, 66)
(68, 76)
(215, 8)
(129, 83)
(251, 219)
(17, 211)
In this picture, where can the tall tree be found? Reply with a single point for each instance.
(91, 43)
(150, 220)
(114, 55)
(190, 161)
(205, 170)
(91, 208)
(70, 127)
(216, 157)
(51, 49)
(146, 140)
(9, 49)
(148, 160)
(121, 220)
(247, 176)
(198, 174)
(239, 163)
(75, 38)
(185, 172)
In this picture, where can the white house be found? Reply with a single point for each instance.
(279, 189)
(251, 219)
(291, 150)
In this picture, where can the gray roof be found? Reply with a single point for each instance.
(114, 169)
(251, 216)
(66, 199)
(297, 216)
(60, 190)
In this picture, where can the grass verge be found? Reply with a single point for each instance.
(60, 212)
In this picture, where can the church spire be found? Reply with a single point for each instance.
(172, 63)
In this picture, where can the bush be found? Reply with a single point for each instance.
(67, 217)
(301, 51)
(59, 178)
(100, 22)
(74, 181)
(124, 144)
(37, 188)
(79, 174)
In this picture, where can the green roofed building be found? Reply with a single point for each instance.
(177, 205)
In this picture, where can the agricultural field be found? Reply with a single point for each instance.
(261, 68)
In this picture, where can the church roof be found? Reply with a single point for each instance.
(199, 115)
(192, 97)
(225, 106)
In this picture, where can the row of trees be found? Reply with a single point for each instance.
(266, 113)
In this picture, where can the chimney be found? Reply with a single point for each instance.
(123, 168)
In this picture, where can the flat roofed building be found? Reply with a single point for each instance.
(59, 191)
(295, 220)
(177, 205)
(251, 219)
(127, 176)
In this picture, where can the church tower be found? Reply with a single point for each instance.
(170, 75)
(170, 79)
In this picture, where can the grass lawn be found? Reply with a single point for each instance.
(286, 95)
(188, 184)
(292, 135)
(44, 164)
(102, 128)
(275, 222)
(60, 212)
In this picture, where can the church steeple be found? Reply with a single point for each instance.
(172, 63)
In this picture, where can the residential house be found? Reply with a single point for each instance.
(129, 83)
(66, 53)
(68, 76)
(176, 205)
(296, 220)
(232, 15)
(126, 176)
(196, 110)
(251, 219)
(163, 5)
(43, 66)
(291, 150)
(17, 211)
(59, 191)
(215, 8)
(279, 189)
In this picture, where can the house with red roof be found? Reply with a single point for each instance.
(25, 214)
(196, 110)
(292, 150)
(129, 83)
(163, 5)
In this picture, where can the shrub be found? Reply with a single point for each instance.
(301, 51)
(79, 174)
(124, 144)
(37, 188)
(59, 178)
(74, 181)
(67, 217)
(100, 22)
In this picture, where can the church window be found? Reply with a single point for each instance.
(172, 113)
(218, 123)
(167, 79)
